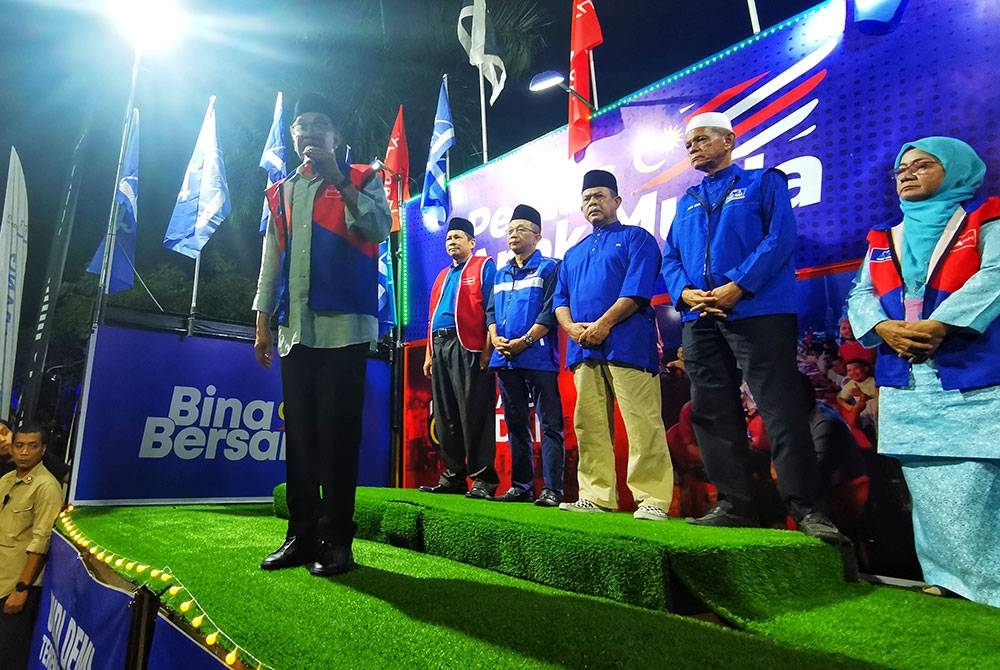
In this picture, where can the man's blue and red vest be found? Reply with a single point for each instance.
(965, 360)
(343, 267)
(470, 308)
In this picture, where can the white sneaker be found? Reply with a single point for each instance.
(650, 513)
(582, 505)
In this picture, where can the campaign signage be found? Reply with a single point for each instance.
(817, 97)
(82, 624)
(169, 418)
(172, 648)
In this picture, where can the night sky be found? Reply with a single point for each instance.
(63, 66)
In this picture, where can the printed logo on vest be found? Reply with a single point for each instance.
(737, 194)
(967, 239)
(881, 255)
(468, 281)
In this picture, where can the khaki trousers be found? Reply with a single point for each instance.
(650, 475)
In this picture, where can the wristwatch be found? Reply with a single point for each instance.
(528, 339)
(20, 587)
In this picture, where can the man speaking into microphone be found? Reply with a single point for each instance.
(319, 275)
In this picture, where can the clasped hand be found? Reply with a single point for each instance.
(914, 341)
(716, 302)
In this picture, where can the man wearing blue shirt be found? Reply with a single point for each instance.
(526, 358)
(602, 302)
(728, 266)
(457, 361)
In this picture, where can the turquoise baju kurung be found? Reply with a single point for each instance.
(948, 441)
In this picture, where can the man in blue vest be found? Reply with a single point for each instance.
(526, 358)
(602, 302)
(727, 263)
(319, 273)
(457, 360)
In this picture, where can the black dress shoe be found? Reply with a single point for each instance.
(294, 552)
(332, 559)
(817, 524)
(514, 494)
(444, 488)
(722, 517)
(480, 491)
(548, 498)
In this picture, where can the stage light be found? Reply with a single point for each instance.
(549, 79)
(141, 569)
(185, 606)
(70, 508)
(94, 549)
(166, 577)
(109, 558)
(198, 620)
(212, 638)
(154, 573)
(148, 24)
(130, 566)
(231, 656)
(545, 80)
(174, 590)
(119, 562)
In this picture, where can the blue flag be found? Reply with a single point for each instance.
(386, 290)
(203, 201)
(273, 158)
(435, 203)
(122, 272)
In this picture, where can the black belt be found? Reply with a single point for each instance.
(445, 333)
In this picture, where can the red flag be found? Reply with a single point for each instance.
(397, 159)
(586, 34)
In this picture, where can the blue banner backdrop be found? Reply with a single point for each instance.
(81, 622)
(172, 649)
(815, 96)
(186, 419)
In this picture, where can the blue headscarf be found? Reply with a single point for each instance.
(925, 220)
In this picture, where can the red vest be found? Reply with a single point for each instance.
(470, 310)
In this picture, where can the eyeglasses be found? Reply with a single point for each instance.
(917, 167)
(305, 126)
(521, 230)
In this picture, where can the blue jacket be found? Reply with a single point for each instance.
(736, 225)
(522, 297)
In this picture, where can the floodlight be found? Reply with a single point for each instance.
(148, 24)
(549, 79)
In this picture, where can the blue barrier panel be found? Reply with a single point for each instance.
(168, 418)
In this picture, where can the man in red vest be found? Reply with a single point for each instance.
(457, 363)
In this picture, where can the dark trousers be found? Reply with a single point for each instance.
(324, 394)
(464, 410)
(16, 630)
(718, 356)
(518, 388)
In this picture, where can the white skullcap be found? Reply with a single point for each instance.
(709, 120)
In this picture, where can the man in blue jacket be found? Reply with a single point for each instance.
(526, 357)
(727, 264)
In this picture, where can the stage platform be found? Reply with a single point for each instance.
(445, 581)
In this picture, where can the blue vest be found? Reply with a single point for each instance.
(518, 298)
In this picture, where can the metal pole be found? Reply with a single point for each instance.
(482, 108)
(104, 283)
(447, 154)
(593, 76)
(194, 293)
(754, 19)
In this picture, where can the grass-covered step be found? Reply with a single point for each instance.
(404, 609)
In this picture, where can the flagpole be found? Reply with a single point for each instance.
(447, 154)
(482, 108)
(754, 19)
(593, 75)
(194, 294)
(104, 283)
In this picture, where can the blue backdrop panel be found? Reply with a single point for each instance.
(81, 622)
(172, 418)
(816, 96)
(173, 649)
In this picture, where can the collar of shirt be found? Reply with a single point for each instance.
(30, 476)
(530, 263)
(609, 227)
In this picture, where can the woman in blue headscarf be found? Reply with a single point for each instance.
(927, 296)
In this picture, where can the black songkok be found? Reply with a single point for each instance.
(527, 213)
(314, 102)
(458, 223)
(596, 178)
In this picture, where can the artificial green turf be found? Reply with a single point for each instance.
(404, 609)
(781, 584)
